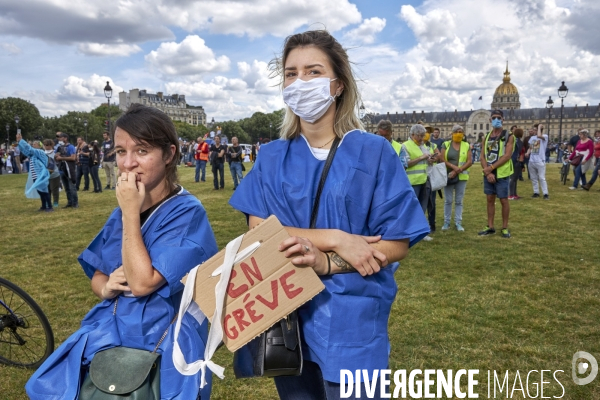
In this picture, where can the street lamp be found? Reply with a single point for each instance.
(17, 119)
(549, 105)
(7, 137)
(108, 94)
(85, 124)
(362, 111)
(407, 127)
(270, 126)
(562, 93)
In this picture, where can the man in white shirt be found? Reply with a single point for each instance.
(538, 142)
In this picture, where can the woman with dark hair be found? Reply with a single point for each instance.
(94, 165)
(367, 217)
(157, 234)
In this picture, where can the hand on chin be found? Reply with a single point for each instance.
(130, 192)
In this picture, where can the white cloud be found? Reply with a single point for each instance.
(461, 54)
(257, 18)
(90, 89)
(10, 48)
(583, 29)
(190, 58)
(253, 73)
(131, 22)
(100, 49)
(75, 94)
(367, 31)
(433, 25)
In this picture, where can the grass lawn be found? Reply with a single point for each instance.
(464, 302)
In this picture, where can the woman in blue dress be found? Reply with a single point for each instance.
(368, 214)
(156, 235)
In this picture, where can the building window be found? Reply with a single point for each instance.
(475, 127)
(487, 127)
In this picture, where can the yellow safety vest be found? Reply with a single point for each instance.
(397, 146)
(417, 174)
(506, 169)
(462, 158)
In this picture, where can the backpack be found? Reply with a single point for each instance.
(51, 164)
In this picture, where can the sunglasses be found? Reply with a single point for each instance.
(493, 118)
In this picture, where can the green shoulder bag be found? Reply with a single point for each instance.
(123, 373)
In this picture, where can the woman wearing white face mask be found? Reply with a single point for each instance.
(365, 221)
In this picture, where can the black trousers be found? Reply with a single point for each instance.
(220, 169)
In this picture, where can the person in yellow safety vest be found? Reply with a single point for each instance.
(434, 150)
(496, 161)
(419, 157)
(457, 156)
(384, 128)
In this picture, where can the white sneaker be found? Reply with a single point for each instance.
(572, 187)
(428, 238)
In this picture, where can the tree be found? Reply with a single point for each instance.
(231, 129)
(189, 132)
(29, 116)
(261, 125)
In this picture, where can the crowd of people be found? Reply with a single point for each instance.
(353, 204)
(504, 154)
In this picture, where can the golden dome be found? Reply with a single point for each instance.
(506, 88)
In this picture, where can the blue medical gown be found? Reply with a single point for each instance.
(366, 193)
(178, 237)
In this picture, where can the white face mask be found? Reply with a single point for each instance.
(48, 151)
(309, 99)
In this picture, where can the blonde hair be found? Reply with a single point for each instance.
(346, 104)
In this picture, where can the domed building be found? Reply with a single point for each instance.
(506, 96)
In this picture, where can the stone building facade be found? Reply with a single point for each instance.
(173, 105)
(477, 122)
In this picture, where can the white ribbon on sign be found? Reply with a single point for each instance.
(215, 335)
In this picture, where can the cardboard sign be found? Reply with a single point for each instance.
(263, 289)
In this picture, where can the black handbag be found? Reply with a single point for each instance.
(453, 181)
(123, 373)
(278, 351)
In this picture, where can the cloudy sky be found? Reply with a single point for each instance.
(430, 55)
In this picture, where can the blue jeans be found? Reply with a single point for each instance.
(311, 386)
(499, 189)
(579, 176)
(83, 170)
(454, 194)
(200, 165)
(595, 173)
(236, 173)
(96, 178)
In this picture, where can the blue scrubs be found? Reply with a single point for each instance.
(366, 193)
(178, 237)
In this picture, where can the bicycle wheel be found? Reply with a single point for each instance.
(26, 338)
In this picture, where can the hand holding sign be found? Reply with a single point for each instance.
(263, 288)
